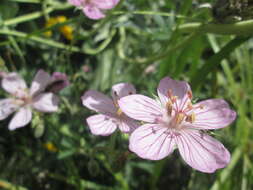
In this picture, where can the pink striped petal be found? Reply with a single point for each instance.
(101, 124)
(7, 107)
(122, 89)
(46, 102)
(21, 118)
(127, 125)
(40, 82)
(214, 114)
(141, 108)
(98, 102)
(93, 12)
(14, 84)
(105, 4)
(201, 151)
(151, 141)
(177, 88)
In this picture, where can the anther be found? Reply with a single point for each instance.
(169, 108)
(179, 118)
(189, 93)
(189, 105)
(171, 97)
(190, 118)
(119, 112)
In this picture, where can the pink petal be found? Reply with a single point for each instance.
(98, 102)
(215, 114)
(93, 12)
(151, 141)
(7, 107)
(101, 124)
(14, 84)
(77, 3)
(201, 151)
(21, 118)
(122, 89)
(46, 102)
(40, 82)
(127, 125)
(141, 108)
(178, 88)
(105, 4)
(58, 82)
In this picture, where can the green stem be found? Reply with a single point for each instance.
(9, 186)
(34, 15)
(40, 40)
(147, 13)
(238, 28)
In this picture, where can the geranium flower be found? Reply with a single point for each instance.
(110, 117)
(174, 122)
(23, 100)
(94, 9)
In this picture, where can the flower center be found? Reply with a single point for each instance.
(22, 98)
(175, 116)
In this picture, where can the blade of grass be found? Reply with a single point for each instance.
(8, 186)
(215, 60)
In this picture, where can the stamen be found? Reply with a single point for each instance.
(179, 118)
(119, 112)
(171, 97)
(189, 93)
(169, 108)
(191, 118)
(189, 105)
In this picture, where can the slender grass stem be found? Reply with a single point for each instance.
(238, 28)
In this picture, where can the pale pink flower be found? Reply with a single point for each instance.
(23, 100)
(94, 9)
(110, 117)
(174, 122)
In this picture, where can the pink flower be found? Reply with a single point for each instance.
(174, 122)
(23, 100)
(94, 9)
(110, 117)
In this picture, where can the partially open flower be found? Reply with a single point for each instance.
(110, 116)
(174, 122)
(94, 9)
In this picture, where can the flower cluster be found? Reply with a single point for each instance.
(22, 100)
(156, 126)
(65, 30)
(169, 122)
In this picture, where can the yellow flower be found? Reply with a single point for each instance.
(65, 30)
(50, 147)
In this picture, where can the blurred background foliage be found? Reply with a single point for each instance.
(138, 42)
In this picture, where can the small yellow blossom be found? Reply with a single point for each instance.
(50, 147)
(65, 30)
